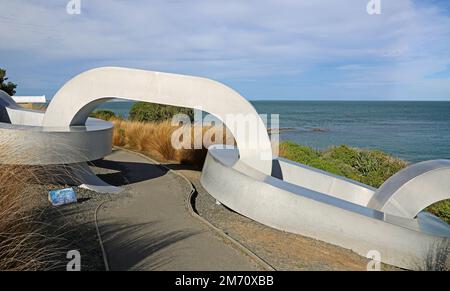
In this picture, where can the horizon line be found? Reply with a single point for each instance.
(348, 100)
(308, 100)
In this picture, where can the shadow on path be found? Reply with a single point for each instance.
(149, 227)
(141, 246)
(128, 172)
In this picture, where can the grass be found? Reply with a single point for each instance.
(367, 166)
(155, 139)
(20, 241)
(24, 245)
(370, 167)
(34, 106)
(441, 210)
(151, 112)
(103, 114)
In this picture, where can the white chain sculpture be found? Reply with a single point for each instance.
(278, 193)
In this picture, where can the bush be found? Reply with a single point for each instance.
(8, 87)
(441, 209)
(370, 167)
(317, 159)
(103, 114)
(148, 112)
(366, 166)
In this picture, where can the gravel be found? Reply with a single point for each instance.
(72, 227)
(282, 250)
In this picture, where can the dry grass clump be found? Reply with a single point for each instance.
(205, 136)
(23, 243)
(155, 139)
(34, 106)
(152, 138)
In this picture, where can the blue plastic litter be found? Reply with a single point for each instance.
(62, 197)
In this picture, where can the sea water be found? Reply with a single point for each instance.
(414, 131)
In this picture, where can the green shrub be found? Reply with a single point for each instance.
(148, 112)
(370, 167)
(103, 114)
(441, 209)
(8, 87)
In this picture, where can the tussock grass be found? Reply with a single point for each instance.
(34, 106)
(155, 139)
(24, 244)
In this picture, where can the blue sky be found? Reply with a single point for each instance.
(265, 49)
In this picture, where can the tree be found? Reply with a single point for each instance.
(149, 112)
(103, 114)
(9, 87)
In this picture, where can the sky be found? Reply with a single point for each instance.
(265, 49)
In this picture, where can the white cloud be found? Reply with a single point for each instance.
(235, 39)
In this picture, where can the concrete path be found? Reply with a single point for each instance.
(149, 227)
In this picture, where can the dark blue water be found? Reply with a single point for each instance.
(120, 108)
(414, 131)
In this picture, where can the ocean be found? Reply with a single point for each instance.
(414, 131)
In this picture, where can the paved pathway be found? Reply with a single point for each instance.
(150, 228)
